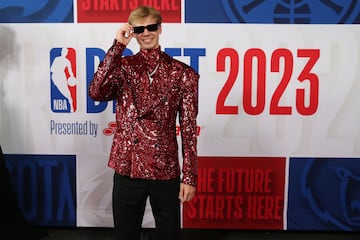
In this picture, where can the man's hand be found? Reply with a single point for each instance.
(125, 34)
(187, 192)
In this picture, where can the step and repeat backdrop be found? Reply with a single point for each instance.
(278, 124)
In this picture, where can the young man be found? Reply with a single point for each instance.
(151, 90)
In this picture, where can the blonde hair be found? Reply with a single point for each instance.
(144, 12)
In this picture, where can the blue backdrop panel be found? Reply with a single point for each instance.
(45, 186)
(39, 11)
(324, 194)
(273, 11)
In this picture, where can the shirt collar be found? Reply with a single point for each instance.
(151, 57)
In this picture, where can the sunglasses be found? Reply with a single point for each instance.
(150, 28)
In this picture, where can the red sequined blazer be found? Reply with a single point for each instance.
(151, 89)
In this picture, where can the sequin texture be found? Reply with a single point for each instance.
(145, 142)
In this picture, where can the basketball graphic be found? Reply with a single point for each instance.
(288, 11)
(71, 81)
(292, 11)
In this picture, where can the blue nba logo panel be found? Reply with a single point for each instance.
(63, 80)
(39, 11)
(273, 11)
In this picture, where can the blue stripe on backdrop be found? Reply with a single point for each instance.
(39, 11)
(273, 11)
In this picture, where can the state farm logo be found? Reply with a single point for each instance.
(111, 129)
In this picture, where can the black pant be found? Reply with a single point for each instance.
(129, 201)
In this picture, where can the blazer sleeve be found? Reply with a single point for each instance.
(188, 126)
(107, 80)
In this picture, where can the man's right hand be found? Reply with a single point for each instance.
(125, 34)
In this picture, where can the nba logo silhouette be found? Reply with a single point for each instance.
(63, 82)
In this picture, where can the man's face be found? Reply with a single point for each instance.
(147, 39)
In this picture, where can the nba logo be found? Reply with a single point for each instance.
(63, 82)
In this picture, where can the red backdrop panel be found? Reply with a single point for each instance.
(118, 11)
(238, 193)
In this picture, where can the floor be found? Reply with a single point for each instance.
(106, 234)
